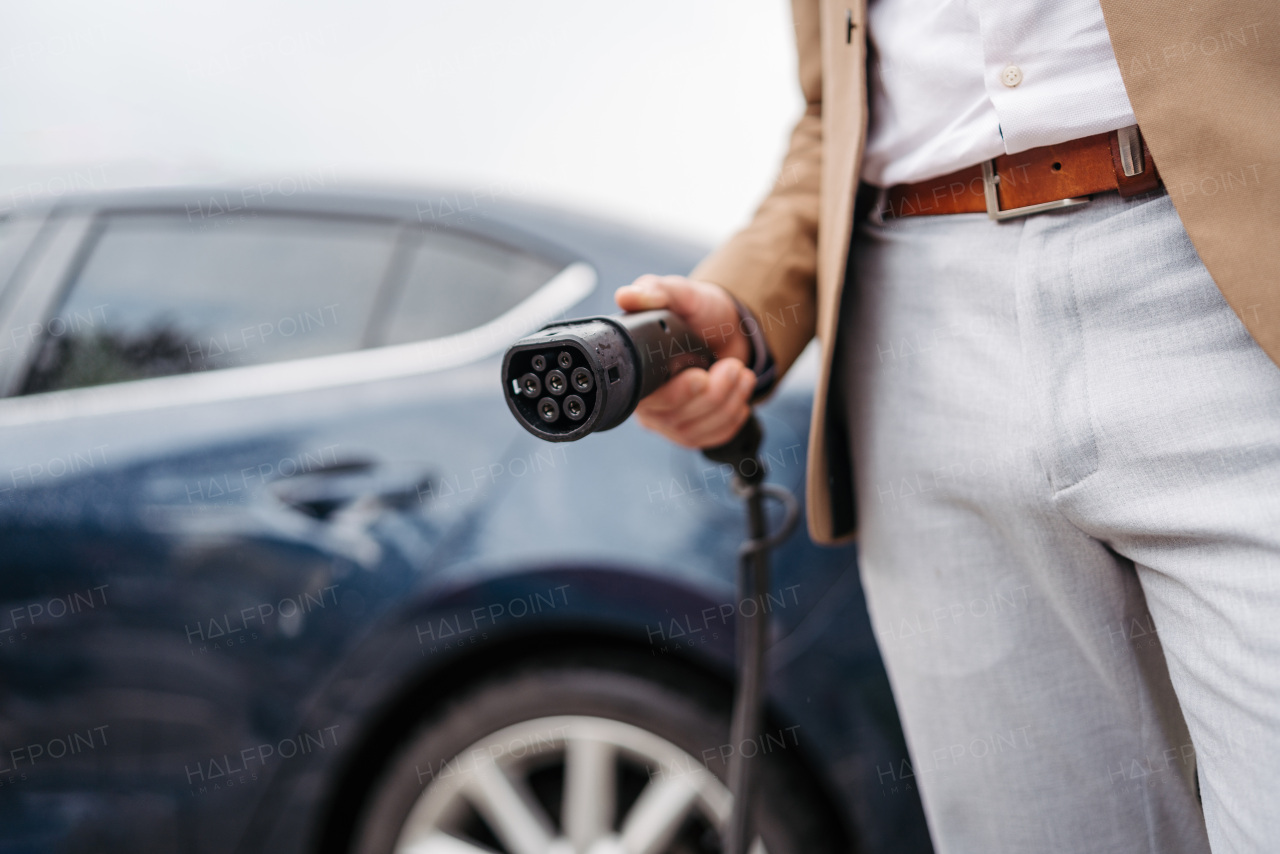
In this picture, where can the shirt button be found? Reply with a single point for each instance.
(1011, 76)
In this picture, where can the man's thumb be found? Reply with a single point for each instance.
(641, 295)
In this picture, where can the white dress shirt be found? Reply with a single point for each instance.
(956, 82)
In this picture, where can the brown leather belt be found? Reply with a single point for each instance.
(1034, 181)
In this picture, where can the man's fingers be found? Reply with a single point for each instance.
(675, 393)
(710, 434)
(722, 379)
(704, 432)
(693, 391)
(727, 391)
(706, 418)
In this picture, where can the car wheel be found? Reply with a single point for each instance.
(558, 759)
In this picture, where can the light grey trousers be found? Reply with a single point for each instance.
(1067, 453)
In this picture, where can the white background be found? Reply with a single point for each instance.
(671, 114)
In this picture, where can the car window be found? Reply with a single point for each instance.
(161, 294)
(455, 283)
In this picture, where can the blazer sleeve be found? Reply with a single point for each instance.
(771, 264)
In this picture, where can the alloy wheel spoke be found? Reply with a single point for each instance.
(589, 791)
(657, 815)
(516, 818)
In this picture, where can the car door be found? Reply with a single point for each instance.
(215, 460)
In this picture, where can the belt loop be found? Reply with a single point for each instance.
(1139, 173)
(1130, 145)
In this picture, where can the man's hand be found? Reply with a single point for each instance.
(696, 408)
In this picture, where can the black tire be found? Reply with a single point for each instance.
(787, 817)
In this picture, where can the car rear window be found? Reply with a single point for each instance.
(455, 282)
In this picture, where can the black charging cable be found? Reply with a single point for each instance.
(742, 452)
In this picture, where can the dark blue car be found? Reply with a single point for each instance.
(279, 572)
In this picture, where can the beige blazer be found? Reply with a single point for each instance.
(1204, 81)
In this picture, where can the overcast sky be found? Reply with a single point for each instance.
(672, 113)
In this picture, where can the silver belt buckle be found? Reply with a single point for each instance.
(989, 181)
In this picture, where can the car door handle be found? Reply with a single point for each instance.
(322, 492)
